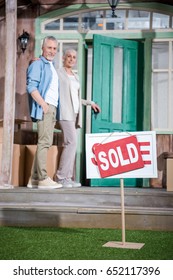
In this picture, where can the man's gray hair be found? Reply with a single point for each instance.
(48, 38)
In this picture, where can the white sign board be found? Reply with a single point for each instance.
(111, 157)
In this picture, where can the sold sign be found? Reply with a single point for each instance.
(119, 156)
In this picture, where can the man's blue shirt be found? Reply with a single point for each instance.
(39, 77)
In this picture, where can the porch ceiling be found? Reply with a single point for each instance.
(68, 2)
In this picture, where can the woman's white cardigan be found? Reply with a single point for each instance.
(66, 110)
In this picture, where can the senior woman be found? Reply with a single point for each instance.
(70, 118)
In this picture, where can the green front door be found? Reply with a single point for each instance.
(115, 89)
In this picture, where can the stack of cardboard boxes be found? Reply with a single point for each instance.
(22, 161)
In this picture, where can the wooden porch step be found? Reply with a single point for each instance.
(90, 197)
(92, 217)
(145, 209)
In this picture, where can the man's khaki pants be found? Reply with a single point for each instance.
(45, 129)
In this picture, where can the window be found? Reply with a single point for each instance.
(53, 25)
(93, 20)
(138, 20)
(116, 23)
(162, 85)
(70, 23)
(102, 20)
(160, 21)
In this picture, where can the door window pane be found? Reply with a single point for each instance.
(117, 86)
(160, 55)
(89, 88)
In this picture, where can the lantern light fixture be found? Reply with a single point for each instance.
(113, 4)
(23, 40)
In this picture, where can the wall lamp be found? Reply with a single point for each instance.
(23, 40)
(113, 4)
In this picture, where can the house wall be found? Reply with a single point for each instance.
(25, 22)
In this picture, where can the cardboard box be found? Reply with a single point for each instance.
(23, 156)
(25, 137)
(169, 175)
(52, 161)
(30, 137)
(17, 164)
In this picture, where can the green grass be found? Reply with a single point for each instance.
(18, 243)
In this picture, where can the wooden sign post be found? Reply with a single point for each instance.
(123, 244)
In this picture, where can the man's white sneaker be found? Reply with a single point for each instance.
(48, 184)
(32, 183)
